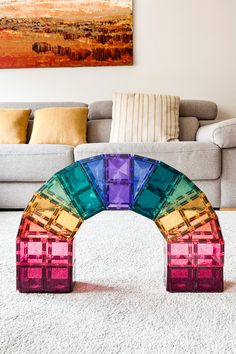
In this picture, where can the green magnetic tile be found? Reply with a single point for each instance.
(88, 203)
(148, 203)
(184, 191)
(81, 191)
(54, 190)
(74, 179)
(163, 178)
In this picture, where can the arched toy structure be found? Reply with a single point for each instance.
(181, 211)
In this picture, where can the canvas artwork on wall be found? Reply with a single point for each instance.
(60, 33)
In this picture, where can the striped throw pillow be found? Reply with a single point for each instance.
(140, 117)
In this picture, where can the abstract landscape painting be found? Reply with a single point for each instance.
(54, 33)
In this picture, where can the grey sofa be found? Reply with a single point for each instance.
(205, 153)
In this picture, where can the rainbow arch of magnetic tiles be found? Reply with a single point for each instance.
(194, 243)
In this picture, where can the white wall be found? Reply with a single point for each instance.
(182, 47)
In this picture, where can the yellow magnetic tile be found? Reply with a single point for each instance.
(69, 221)
(171, 220)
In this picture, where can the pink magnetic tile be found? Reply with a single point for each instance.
(209, 279)
(208, 231)
(29, 229)
(180, 254)
(59, 279)
(180, 279)
(210, 254)
(30, 279)
(29, 252)
(60, 252)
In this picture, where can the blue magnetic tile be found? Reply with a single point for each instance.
(142, 168)
(95, 169)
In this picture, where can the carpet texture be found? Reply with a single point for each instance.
(119, 304)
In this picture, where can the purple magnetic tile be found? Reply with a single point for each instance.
(118, 168)
(118, 196)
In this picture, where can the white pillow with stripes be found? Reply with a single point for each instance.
(138, 117)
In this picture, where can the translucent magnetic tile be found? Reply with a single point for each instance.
(118, 168)
(186, 218)
(54, 190)
(118, 196)
(209, 231)
(41, 210)
(74, 179)
(173, 225)
(210, 254)
(142, 168)
(30, 279)
(44, 251)
(52, 217)
(209, 279)
(163, 178)
(58, 279)
(95, 169)
(81, 191)
(30, 251)
(29, 229)
(198, 211)
(148, 203)
(180, 254)
(184, 191)
(44, 279)
(180, 279)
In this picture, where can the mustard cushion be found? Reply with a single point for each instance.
(13, 125)
(60, 125)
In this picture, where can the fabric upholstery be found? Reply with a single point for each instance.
(191, 158)
(100, 110)
(212, 190)
(60, 125)
(99, 130)
(16, 195)
(13, 125)
(33, 163)
(197, 108)
(188, 127)
(138, 117)
(228, 185)
(188, 108)
(222, 134)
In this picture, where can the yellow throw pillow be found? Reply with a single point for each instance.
(60, 125)
(13, 125)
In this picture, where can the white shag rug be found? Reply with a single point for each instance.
(119, 304)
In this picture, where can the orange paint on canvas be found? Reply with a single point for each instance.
(65, 33)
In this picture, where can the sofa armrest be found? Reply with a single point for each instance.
(222, 134)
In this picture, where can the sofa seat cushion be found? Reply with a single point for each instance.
(33, 163)
(199, 161)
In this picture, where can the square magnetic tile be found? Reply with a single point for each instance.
(210, 254)
(180, 254)
(180, 279)
(148, 203)
(58, 280)
(30, 279)
(209, 279)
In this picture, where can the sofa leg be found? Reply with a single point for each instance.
(227, 209)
